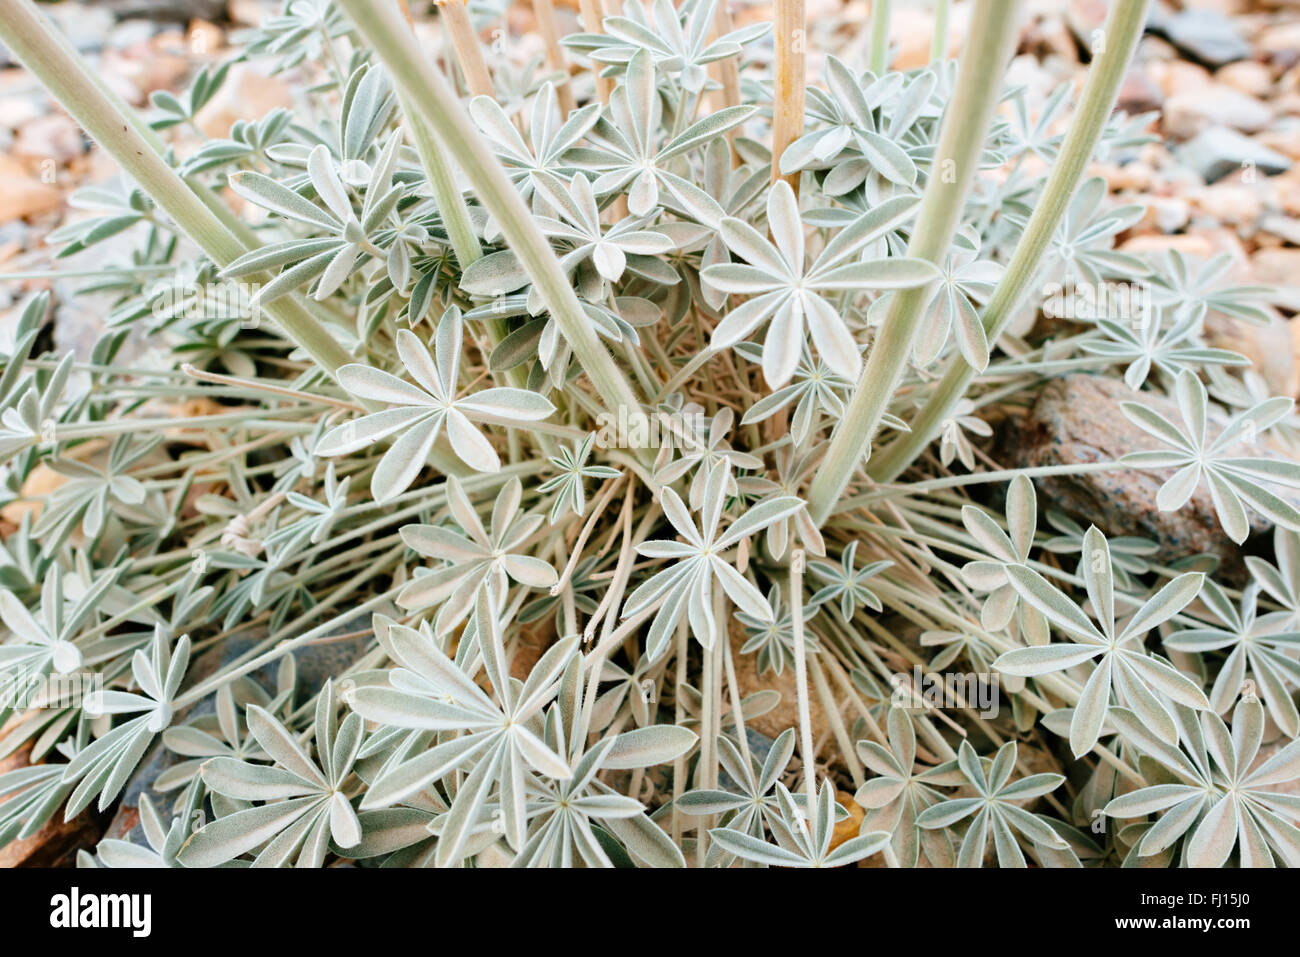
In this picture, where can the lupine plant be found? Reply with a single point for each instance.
(632, 420)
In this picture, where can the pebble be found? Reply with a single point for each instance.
(1186, 114)
(1218, 151)
(1204, 34)
(54, 136)
(246, 95)
(1247, 76)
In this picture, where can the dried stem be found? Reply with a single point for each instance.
(464, 40)
(592, 20)
(550, 31)
(788, 83)
(801, 678)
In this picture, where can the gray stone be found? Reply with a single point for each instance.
(1203, 34)
(1220, 151)
(1077, 420)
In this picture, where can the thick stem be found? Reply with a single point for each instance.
(878, 57)
(788, 82)
(464, 41)
(1122, 31)
(24, 31)
(430, 95)
(442, 182)
(939, 44)
(961, 144)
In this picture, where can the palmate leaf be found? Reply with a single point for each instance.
(1221, 804)
(1258, 652)
(803, 837)
(501, 730)
(306, 805)
(685, 589)
(480, 561)
(1234, 481)
(996, 810)
(1124, 668)
(899, 794)
(421, 412)
(790, 294)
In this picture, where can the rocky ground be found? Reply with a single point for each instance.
(1220, 79)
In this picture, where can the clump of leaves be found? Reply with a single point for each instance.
(529, 416)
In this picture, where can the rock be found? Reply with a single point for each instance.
(1229, 202)
(22, 196)
(203, 37)
(1247, 76)
(1186, 114)
(1280, 268)
(1284, 136)
(1285, 228)
(1077, 420)
(1136, 175)
(1085, 18)
(1281, 38)
(1165, 214)
(1203, 34)
(1189, 244)
(85, 25)
(16, 111)
(1180, 76)
(246, 95)
(169, 11)
(1218, 151)
(131, 33)
(1269, 348)
(847, 829)
(1049, 36)
(911, 32)
(249, 12)
(53, 136)
(1139, 93)
(40, 482)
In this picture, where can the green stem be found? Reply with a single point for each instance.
(879, 54)
(961, 143)
(69, 80)
(939, 44)
(448, 198)
(437, 105)
(1122, 31)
